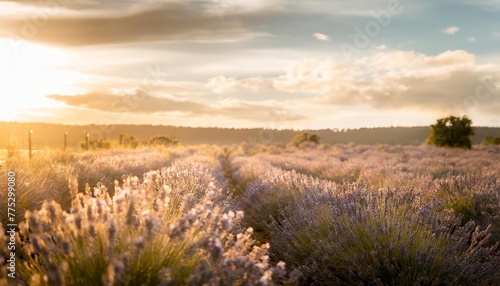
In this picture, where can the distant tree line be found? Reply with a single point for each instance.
(490, 140)
(128, 141)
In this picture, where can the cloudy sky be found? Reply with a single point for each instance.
(253, 63)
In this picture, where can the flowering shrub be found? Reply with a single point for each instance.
(46, 176)
(271, 195)
(336, 215)
(107, 166)
(144, 234)
(387, 166)
(349, 234)
(243, 170)
(474, 197)
(380, 238)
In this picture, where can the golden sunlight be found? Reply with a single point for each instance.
(30, 72)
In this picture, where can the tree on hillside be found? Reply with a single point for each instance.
(305, 137)
(451, 131)
(163, 140)
(490, 140)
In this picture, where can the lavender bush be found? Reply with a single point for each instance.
(144, 234)
(46, 177)
(341, 233)
(381, 238)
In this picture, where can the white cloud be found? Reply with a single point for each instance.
(322, 37)
(381, 47)
(451, 30)
(472, 39)
(165, 21)
(144, 103)
(220, 84)
(391, 80)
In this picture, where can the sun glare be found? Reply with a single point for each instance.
(28, 73)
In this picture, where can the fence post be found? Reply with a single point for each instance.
(65, 140)
(87, 142)
(29, 142)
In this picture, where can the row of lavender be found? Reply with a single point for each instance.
(467, 182)
(175, 226)
(353, 215)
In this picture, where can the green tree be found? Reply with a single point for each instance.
(453, 132)
(305, 137)
(490, 140)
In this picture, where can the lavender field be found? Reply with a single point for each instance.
(263, 142)
(263, 215)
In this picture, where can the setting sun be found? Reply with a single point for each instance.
(30, 72)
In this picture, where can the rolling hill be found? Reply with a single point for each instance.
(52, 135)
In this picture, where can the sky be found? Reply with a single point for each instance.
(314, 64)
